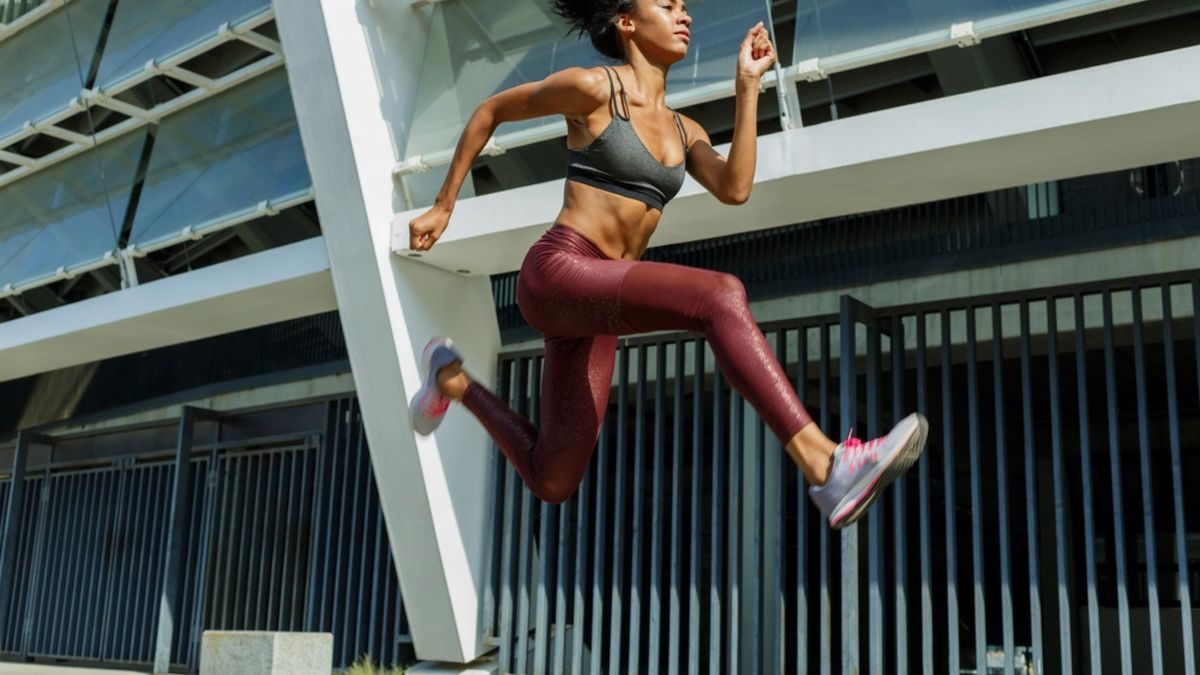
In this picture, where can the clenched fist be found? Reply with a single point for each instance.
(756, 54)
(427, 228)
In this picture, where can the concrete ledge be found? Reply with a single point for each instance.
(265, 653)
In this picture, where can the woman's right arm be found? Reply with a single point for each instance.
(571, 92)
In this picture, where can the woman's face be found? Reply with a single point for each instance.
(661, 29)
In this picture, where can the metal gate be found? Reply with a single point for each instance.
(279, 533)
(1064, 427)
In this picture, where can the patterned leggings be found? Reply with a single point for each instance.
(581, 300)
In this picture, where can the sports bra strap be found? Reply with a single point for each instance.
(612, 96)
(682, 131)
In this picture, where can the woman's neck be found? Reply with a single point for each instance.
(649, 79)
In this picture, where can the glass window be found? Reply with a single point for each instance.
(67, 215)
(826, 28)
(221, 157)
(480, 47)
(44, 65)
(146, 29)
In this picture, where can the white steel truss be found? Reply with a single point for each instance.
(169, 65)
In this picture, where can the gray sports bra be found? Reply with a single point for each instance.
(618, 161)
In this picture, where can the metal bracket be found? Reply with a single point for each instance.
(491, 148)
(963, 34)
(413, 164)
(811, 70)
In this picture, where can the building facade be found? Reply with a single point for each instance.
(210, 325)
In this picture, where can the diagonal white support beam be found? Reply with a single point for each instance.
(64, 134)
(1126, 114)
(261, 41)
(184, 75)
(282, 283)
(14, 158)
(354, 79)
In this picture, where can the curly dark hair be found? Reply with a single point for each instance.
(596, 18)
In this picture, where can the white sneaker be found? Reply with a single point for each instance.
(861, 470)
(429, 405)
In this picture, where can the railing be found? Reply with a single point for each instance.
(691, 544)
(279, 532)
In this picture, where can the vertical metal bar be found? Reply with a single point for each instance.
(923, 471)
(802, 599)
(826, 617)
(1185, 597)
(976, 491)
(581, 550)
(1085, 453)
(733, 601)
(849, 537)
(541, 625)
(777, 598)
(694, 557)
(755, 562)
(12, 527)
(1114, 450)
(952, 646)
(1139, 360)
(899, 510)
(635, 577)
(1031, 542)
(563, 516)
(316, 572)
(1006, 604)
(875, 519)
(525, 549)
(1066, 646)
(598, 550)
(656, 524)
(715, 598)
(512, 488)
(673, 624)
(169, 601)
(614, 654)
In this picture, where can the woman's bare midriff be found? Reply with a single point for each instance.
(620, 226)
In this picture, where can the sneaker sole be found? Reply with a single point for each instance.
(903, 460)
(426, 367)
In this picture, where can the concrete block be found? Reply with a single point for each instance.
(265, 653)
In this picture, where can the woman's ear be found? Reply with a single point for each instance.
(624, 24)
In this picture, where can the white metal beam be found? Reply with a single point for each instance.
(168, 64)
(354, 79)
(282, 283)
(1120, 115)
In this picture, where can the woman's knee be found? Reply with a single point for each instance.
(728, 296)
(555, 480)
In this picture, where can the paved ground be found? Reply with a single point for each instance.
(43, 669)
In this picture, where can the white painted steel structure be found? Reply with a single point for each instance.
(354, 70)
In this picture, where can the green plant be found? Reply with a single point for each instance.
(364, 666)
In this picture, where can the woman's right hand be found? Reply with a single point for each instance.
(427, 228)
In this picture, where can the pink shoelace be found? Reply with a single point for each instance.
(856, 453)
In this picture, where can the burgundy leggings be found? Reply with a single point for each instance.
(581, 300)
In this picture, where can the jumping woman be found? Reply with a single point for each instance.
(582, 285)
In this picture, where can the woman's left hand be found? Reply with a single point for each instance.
(756, 55)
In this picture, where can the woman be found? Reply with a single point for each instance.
(582, 285)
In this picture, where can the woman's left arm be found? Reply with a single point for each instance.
(731, 179)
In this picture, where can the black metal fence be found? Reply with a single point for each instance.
(281, 532)
(1046, 529)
